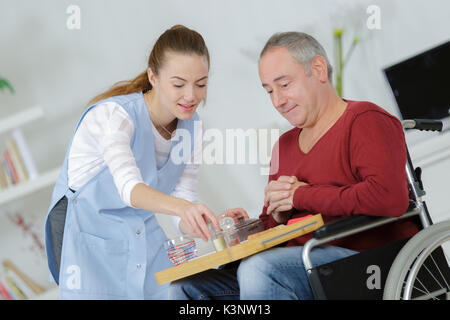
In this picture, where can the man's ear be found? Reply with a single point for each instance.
(319, 68)
(151, 77)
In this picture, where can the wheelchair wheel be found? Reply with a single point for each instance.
(421, 269)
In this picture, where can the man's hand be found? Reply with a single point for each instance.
(278, 189)
(279, 195)
(234, 213)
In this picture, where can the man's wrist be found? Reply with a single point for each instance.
(297, 198)
(283, 216)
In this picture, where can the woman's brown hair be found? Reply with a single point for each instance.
(178, 39)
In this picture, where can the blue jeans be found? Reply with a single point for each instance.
(274, 274)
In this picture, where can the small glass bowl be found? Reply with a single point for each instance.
(180, 249)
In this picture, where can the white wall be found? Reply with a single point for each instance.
(62, 69)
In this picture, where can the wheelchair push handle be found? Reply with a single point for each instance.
(427, 124)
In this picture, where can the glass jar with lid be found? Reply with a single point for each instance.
(230, 232)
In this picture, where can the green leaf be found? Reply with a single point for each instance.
(4, 84)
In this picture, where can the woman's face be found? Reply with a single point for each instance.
(180, 85)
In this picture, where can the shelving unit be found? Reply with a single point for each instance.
(36, 181)
(34, 184)
(25, 188)
(21, 118)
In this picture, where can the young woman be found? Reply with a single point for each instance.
(119, 170)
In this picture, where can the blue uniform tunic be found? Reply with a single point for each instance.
(110, 250)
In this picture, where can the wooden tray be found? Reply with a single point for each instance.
(256, 243)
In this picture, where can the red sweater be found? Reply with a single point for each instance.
(357, 167)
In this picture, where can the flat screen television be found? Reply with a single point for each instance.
(421, 84)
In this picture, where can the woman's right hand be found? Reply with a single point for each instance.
(196, 218)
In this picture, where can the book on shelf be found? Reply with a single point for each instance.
(4, 291)
(5, 177)
(16, 162)
(25, 153)
(15, 285)
(10, 290)
(25, 291)
(18, 293)
(11, 166)
(17, 159)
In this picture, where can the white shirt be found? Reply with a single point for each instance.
(103, 139)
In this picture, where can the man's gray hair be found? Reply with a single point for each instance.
(302, 47)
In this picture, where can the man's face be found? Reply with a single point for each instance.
(291, 90)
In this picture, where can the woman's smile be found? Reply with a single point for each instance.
(186, 107)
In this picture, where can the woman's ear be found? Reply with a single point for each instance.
(151, 77)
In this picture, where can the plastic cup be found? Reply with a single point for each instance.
(180, 249)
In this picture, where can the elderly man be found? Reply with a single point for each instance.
(341, 158)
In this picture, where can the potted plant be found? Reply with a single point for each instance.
(4, 84)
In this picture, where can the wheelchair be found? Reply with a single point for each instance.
(414, 268)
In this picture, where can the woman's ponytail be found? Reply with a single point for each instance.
(138, 84)
(177, 39)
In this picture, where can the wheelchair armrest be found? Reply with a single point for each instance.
(353, 222)
(343, 225)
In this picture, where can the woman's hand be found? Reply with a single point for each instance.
(195, 218)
